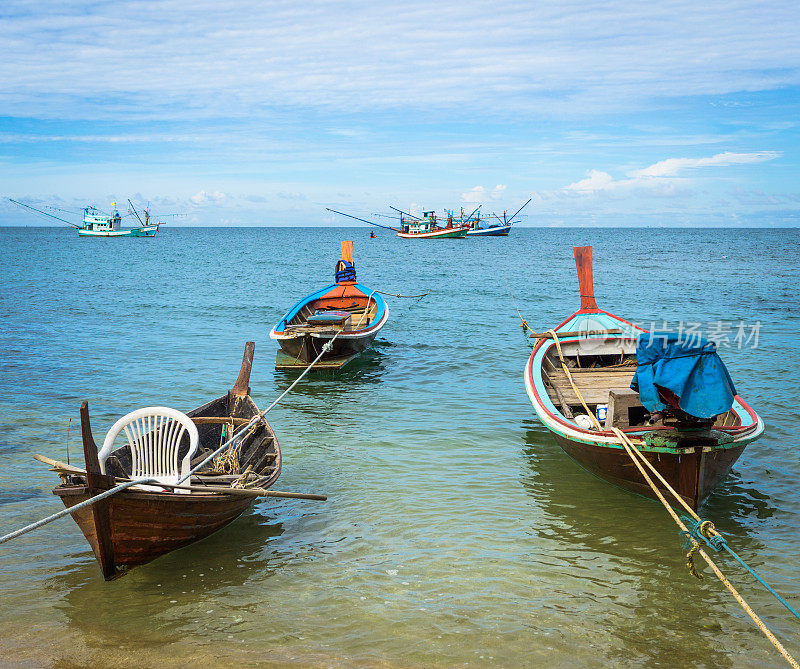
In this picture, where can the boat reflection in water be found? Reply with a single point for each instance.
(618, 561)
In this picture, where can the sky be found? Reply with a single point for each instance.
(265, 113)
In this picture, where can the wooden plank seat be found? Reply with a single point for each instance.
(594, 384)
(301, 324)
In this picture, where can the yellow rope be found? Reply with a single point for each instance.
(571, 382)
(629, 449)
(706, 527)
(246, 475)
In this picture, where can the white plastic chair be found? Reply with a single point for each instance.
(154, 436)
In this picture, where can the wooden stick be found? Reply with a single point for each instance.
(575, 333)
(564, 406)
(218, 420)
(242, 387)
(242, 492)
(347, 251)
(248, 492)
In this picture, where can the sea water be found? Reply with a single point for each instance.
(456, 531)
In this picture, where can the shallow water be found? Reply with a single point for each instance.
(457, 532)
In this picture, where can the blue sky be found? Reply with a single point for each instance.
(264, 113)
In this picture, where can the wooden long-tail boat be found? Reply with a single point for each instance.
(138, 525)
(347, 313)
(599, 350)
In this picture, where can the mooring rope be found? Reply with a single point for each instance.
(630, 449)
(571, 382)
(523, 323)
(705, 530)
(399, 295)
(117, 489)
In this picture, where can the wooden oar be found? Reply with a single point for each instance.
(241, 492)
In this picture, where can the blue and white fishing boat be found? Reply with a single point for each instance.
(500, 229)
(496, 230)
(346, 313)
(97, 223)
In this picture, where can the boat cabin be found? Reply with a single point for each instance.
(94, 219)
(426, 224)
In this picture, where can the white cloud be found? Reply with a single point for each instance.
(596, 180)
(174, 59)
(480, 194)
(664, 176)
(207, 198)
(672, 166)
(474, 195)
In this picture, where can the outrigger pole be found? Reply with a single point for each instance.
(39, 211)
(135, 212)
(363, 220)
(519, 210)
(400, 211)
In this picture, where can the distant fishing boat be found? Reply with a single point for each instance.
(347, 313)
(596, 372)
(413, 227)
(500, 229)
(97, 223)
(495, 230)
(427, 227)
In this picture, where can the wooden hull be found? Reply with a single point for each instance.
(136, 525)
(308, 347)
(147, 525)
(693, 460)
(692, 475)
(304, 344)
(445, 233)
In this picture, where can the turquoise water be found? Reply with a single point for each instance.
(456, 531)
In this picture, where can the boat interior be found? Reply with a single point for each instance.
(350, 311)
(602, 371)
(216, 422)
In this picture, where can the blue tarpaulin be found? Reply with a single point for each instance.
(691, 370)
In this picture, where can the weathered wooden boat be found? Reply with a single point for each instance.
(346, 313)
(581, 407)
(144, 522)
